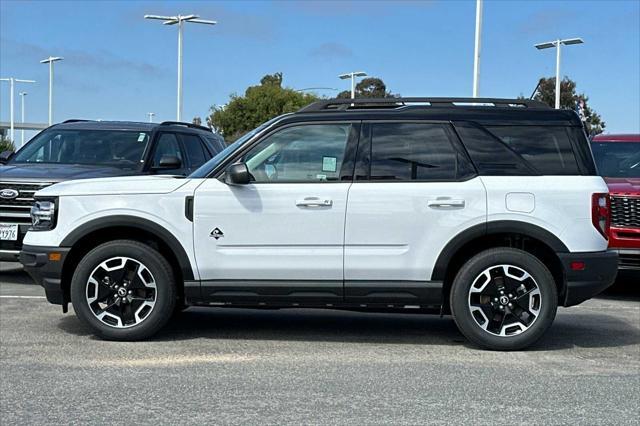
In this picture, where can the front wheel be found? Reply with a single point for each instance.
(124, 290)
(504, 299)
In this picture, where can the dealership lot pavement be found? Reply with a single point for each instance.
(320, 367)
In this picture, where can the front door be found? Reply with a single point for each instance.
(280, 237)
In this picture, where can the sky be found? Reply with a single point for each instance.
(119, 66)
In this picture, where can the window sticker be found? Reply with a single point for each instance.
(141, 137)
(329, 164)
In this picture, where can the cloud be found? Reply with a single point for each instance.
(332, 50)
(99, 59)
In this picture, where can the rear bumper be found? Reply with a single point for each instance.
(599, 272)
(45, 272)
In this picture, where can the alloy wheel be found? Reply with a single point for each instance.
(121, 292)
(504, 300)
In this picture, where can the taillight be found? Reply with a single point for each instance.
(600, 213)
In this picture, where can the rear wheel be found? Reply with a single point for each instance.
(124, 290)
(504, 299)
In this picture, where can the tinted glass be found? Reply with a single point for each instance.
(617, 159)
(167, 146)
(123, 149)
(547, 149)
(489, 154)
(309, 153)
(194, 150)
(411, 151)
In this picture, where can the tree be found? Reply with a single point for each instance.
(258, 104)
(6, 144)
(370, 87)
(569, 98)
(197, 121)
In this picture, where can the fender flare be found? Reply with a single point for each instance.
(139, 223)
(489, 228)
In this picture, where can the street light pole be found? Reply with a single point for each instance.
(180, 20)
(476, 56)
(12, 82)
(22, 95)
(352, 76)
(557, 44)
(50, 60)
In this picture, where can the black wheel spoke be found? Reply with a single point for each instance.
(120, 291)
(504, 301)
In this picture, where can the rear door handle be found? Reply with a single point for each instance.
(314, 202)
(446, 203)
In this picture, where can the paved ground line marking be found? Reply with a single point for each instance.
(22, 297)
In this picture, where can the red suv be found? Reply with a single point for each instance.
(618, 161)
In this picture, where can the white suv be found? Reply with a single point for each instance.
(490, 210)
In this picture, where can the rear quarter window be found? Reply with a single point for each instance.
(547, 149)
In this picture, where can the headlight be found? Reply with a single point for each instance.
(43, 215)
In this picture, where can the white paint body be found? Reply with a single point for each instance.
(371, 231)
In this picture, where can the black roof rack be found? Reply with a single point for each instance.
(181, 123)
(75, 120)
(333, 105)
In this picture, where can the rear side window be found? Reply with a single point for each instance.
(414, 152)
(547, 149)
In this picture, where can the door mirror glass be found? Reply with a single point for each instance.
(169, 162)
(5, 156)
(237, 174)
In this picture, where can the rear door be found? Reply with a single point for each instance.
(414, 191)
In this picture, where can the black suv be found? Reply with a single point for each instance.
(81, 149)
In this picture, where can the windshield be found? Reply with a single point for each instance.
(617, 159)
(204, 170)
(115, 148)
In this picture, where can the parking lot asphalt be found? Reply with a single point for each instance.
(234, 366)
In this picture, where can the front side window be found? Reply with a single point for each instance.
(116, 148)
(168, 146)
(306, 153)
(617, 159)
(412, 151)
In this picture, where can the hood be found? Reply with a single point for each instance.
(623, 186)
(115, 186)
(59, 172)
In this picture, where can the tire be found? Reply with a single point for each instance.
(149, 287)
(513, 319)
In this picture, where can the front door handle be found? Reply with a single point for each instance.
(446, 203)
(314, 202)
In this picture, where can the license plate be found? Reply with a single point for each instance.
(8, 232)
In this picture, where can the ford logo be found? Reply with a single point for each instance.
(8, 194)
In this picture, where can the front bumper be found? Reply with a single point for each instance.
(629, 259)
(598, 272)
(10, 250)
(39, 263)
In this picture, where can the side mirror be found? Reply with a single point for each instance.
(169, 162)
(237, 174)
(5, 156)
